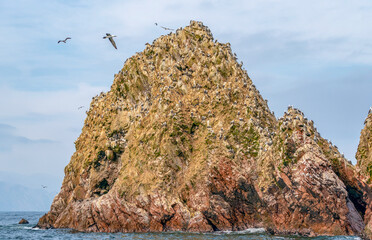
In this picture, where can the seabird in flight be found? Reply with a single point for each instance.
(165, 28)
(80, 107)
(44, 186)
(110, 37)
(168, 29)
(64, 41)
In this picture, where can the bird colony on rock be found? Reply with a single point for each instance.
(183, 141)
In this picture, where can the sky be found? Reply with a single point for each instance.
(315, 55)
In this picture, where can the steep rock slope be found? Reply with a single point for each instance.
(320, 190)
(184, 141)
(364, 153)
(364, 159)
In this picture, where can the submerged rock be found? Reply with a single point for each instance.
(183, 141)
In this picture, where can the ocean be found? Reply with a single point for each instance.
(10, 229)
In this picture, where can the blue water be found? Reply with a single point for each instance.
(10, 229)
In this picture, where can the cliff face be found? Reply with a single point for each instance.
(184, 141)
(364, 153)
(364, 158)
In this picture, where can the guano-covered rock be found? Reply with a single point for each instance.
(184, 141)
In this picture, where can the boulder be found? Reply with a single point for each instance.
(23, 221)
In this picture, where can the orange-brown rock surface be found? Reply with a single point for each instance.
(184, 141)
(364, 161)
(364, 153)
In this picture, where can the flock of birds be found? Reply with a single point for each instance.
(111, 37)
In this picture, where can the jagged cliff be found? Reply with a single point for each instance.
(184, 141)
(364, 153)
(364, 157)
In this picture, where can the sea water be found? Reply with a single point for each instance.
(10, 229)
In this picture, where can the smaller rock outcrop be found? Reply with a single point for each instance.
(364, 163)
(23, 221)
(316, 191)
(364, 153)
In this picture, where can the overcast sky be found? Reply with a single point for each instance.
(315, 55)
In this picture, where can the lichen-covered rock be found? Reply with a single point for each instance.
(184, 141)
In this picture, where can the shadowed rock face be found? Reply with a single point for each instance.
(184, 141)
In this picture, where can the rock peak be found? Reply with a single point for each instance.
(364, 153)
(197, 27)
(293, 111)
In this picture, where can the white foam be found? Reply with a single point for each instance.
(249, 230)
(33, 228)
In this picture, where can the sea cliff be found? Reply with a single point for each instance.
(183, 141)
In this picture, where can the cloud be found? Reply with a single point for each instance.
(38, 129)
(8, 139)
(23, 102)
(21, 198)
(5, 128)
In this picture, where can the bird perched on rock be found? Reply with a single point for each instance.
(64, 41)
(110, 37)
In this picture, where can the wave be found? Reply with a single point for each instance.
(246, 231)
(32, 228)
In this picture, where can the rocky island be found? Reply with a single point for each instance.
(184, 141)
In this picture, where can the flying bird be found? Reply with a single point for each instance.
(44, 186)
(168, 29)
(165, 28)
(64, 41)
(110, 37)
(80, 107)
